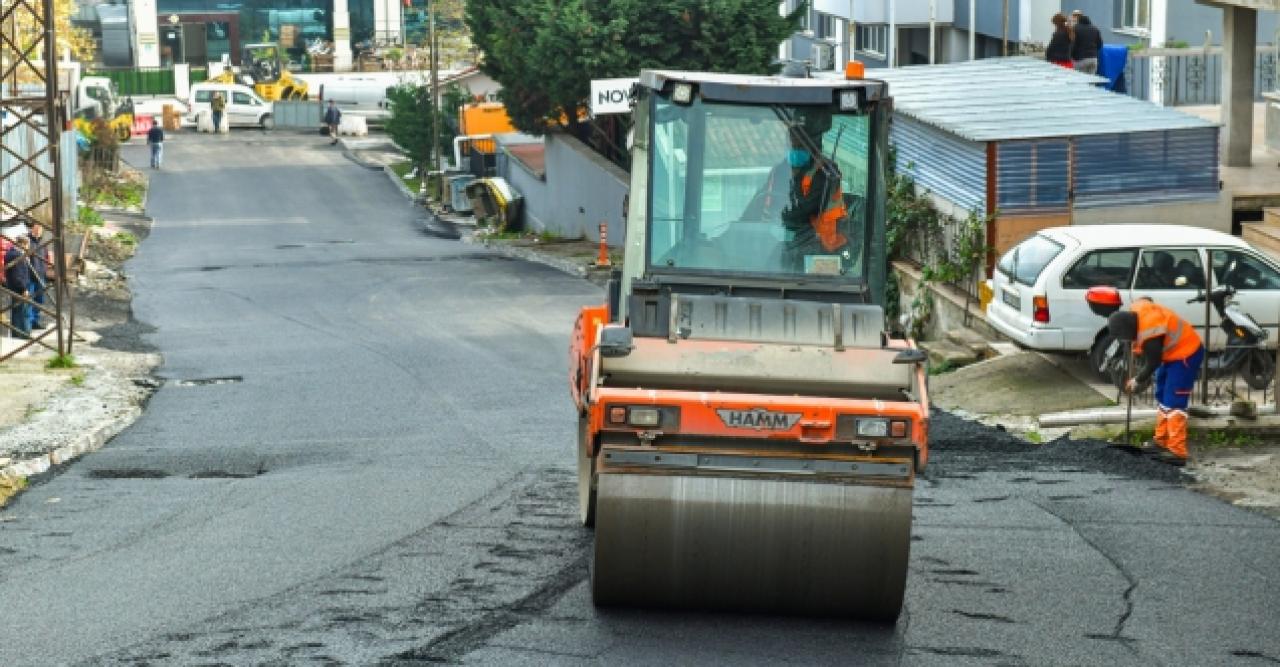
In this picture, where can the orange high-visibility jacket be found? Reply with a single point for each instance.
(1180, 338)
(826, 221)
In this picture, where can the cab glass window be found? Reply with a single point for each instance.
(1027, 260)
(1170, 269)
(1113, 268)
(743, 189)
(1249, 272)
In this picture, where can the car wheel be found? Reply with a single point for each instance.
(268, 123)
(1098, 357)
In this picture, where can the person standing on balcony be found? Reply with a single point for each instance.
(1087, 44)
(1059, 50)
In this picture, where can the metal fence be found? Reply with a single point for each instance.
(140, 80)
(25, 185)
(297, 114)
(1192, 76)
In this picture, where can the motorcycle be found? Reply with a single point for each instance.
(1245, 353)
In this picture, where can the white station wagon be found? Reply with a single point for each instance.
(1038, 288)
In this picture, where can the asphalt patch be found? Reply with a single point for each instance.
(960, 447)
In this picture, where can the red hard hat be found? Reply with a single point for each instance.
(1103, 300)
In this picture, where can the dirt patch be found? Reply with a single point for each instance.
(1243, 476)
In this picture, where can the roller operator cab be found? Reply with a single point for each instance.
(749, 433)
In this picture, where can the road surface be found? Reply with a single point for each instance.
(363, 453)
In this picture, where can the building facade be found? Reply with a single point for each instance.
(884, 33)
(198, 32)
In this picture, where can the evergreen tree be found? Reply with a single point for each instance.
(546, 52)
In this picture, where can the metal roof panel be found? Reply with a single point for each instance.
(1007, 99)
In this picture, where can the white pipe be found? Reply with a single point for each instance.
(933, 27)
(457, 146)
(1117, 415)
(973, 28)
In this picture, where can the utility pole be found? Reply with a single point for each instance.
(33, 115)
(435, 97)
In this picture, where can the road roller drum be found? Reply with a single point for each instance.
(823, 545)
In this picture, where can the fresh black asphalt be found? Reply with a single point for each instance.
(362, 453)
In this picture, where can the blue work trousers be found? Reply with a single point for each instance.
(1176, 379)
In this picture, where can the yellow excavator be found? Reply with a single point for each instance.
(262, 68)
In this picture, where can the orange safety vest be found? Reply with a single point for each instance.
(826, 221)
(1180, 338)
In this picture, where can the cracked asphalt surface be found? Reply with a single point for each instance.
(363, 454)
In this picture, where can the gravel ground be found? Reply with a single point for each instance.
(66, 412)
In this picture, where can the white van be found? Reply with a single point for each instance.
(358, 96)
(1038, 288)
(244, 107)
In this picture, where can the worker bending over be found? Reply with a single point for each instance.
(1169, 347)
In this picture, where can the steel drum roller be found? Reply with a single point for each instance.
(812, 546)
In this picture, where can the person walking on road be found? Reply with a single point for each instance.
(17, 279)
(217, 105)
(333, 116)
(1087, 44)
(1170, 349)
(1059, 50)
(155, 139)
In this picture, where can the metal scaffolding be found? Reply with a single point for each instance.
(32, 105)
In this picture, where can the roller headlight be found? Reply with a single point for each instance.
(873, 428)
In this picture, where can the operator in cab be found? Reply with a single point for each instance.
(816, 208)
(1171, 349)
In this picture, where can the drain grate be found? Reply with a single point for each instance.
(202, 382)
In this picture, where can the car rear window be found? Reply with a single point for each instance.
(1026, 261)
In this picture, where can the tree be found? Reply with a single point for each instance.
(412, 115)
(22, 28)
(546, 52)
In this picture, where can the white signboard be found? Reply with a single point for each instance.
(609, 96)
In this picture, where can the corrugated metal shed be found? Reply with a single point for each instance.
(1001, 99)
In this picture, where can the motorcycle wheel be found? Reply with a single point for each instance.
(1098, 358)
(1260, 370)
(1118, 373)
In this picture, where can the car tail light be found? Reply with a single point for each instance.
(1040, 309)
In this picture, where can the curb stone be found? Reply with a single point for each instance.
(87, 442)
(563, 265)
(404, 189)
